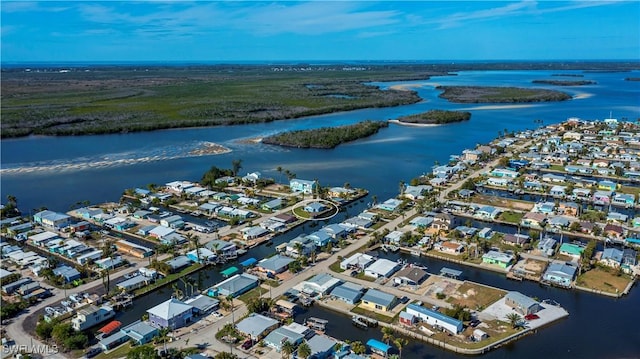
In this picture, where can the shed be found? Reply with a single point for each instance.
(229, 271)
(451, 273)
(248, 262)
(378, 347)
(479, 335)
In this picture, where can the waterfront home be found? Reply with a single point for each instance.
(624, 199)
(273, 226)
(547, 245)
(174, 222)
(572, 250)
(284, 218)
(201, 255)
(134, 283)
(203, 304)
(88, 213)
(521, 303)
(178, 186)
(161, 232)
(340, 192)
(223, 248)
(17, 229)
(611, 257)
(172, 314)
(569, 209)
(435, 319)
(583, 193)
(393, 237)
(51, 219)
(320, 238)
(443, 221)
(553, 178)
(273, 205)
(559, 222)
(517, 239)
(488, 212)
(390, 205)
(421, 222)
(607, 185)
(601, 198)
(485, 233)
(249, 233)
(302, 245)
(146, 230)
(533, 219)
(274, 265)
(503, 172)
(376, 300)
(322, 346)
(613, 230)
(337, 231)
(304, 186)
(498, 182)
(544, 207)
(256, 326)
(503, 260)
(281, 335)
(438, 182)
(91, 316)
(321, 284)
(410, 276)
(560, 273)
(178, 263)
(315, 207)
(357, 222)
(450, 247)
(234, 286)
(558, 191)
(382, 268)
(416, 192)
(348, 292)
(357, 260)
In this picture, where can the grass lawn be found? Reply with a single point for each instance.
(252, 294)
(119, 352)
(603, 280)
(168, 279)
(497, 331)
(375, 315)
(336, 267)
(557, 168)
(511, 217)
(630, 190)
(473, 295)
(301, 213)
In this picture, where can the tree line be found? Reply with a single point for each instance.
(325, 137)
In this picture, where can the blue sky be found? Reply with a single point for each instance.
(318, 30)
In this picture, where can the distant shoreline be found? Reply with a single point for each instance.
(397, 122)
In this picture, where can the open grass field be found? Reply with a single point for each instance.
(121, 99)
(603, 280)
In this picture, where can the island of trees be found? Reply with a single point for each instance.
(564, 82)
(326, 137)
(436, 117)
(491, 94)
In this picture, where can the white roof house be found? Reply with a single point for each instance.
(161, 231)
(322, 283)
(382, 268)
(358, 260)
(255, 325)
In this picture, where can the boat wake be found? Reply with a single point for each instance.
(170, 152)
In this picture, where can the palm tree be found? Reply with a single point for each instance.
(358, 348)
(514, 319)
(387, 334)
(236, 166)
(304, 350)
(401, 187)
(400, 343)
(279, 169)
(229, 299)
(287, 349)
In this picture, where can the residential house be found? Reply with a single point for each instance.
(607, 185)
(172, 314)
(416, 192)
(443, 221)
(421, 222)
(450, 247)
(612, 257)
(560, 273)
(390, 205)
(321, 284)
(249, 233)
(315, 207)
(624, 199)
(304, 186)
(601, 198)
(178, 263)
(488, 212)
(91, 316)
(559, 222)
(279, 336)
(569, 209)
(140, 332)
(613, 230)
(498, 182)
(558, 191)
(547, 245)
(410, 276)
(348, 292)
(234, 286)
(256, 326)
(274, 265)
(357, 260)
(382, 268)
(503, 260)
(273, 205)
(376, 300)
(572, 250)
(521, 303)
(533, 220)
(517, 239)
(394, 237)
(435, 318)
(52, 219)
(321, 346)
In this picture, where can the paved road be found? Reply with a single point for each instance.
(206, 334)
(16, 330)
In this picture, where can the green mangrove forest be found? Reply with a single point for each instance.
(492, 94)
(326, 137)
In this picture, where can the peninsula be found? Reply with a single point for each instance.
(436, 117)
(325, 137)
(492, 94)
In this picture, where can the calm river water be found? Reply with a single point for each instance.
(58, 172)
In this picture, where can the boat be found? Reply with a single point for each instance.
(317, 324)
(359, 320)
(416, 253)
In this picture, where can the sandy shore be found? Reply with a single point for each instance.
(413, 124)
(407, 87)
(582, 96)
(250, 141)
(209, 148)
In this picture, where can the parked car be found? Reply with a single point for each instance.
(354, 273)
(247, 344)
(92, 352)
(404, 300)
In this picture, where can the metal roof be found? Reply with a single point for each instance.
(169, 309)
(379, 297)
(255, 324)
